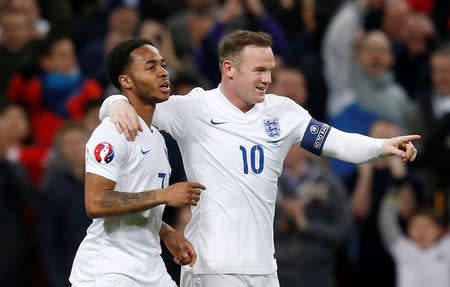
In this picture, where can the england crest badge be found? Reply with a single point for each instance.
(272, 128)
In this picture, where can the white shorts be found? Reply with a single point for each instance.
(152, 272)
(227, 280)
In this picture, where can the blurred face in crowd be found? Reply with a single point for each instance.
(152, 30)
(124, 20)
(16, 124)
(250, 75)
(29, 7)
(72, 146)
(396, 15)
(418, 30)
(423, 230)
(374, 54)
(290, 83)
(440, 73)
(16, 30)
(62, 58)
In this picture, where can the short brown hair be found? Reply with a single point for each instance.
(234, 42)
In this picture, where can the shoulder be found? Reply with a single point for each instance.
(195, 94)
(282, 104)
(106, 132)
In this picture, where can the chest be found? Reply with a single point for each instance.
(147, 165)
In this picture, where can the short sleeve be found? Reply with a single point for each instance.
(106, 151)
(173, 115)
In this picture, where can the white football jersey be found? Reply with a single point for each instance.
(418, 267)
(238, 157)
(128, 244)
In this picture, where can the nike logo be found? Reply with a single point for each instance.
(144, 151)
(217, 123)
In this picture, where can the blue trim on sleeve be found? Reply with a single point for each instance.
(315, 135)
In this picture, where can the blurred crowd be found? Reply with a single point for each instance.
(376, 67)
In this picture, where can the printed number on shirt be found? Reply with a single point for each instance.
(256, 158)
(162, 176)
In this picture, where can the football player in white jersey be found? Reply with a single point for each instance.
(125, 185)
(234, 139)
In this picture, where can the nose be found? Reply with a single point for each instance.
(163, 72)
(266, 77)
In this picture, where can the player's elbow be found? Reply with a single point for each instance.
(92, 210)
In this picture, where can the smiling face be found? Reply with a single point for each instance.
(250, 75)
(146, 76)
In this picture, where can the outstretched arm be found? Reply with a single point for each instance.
(387, 221)
(357, 148)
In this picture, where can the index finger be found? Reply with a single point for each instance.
(408, 138)
(196, 185)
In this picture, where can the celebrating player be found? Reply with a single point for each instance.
(125, 184)
(234, 139)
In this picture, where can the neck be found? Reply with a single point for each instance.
(144, 110)
(234, 99)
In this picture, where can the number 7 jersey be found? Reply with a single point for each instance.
(238, 157)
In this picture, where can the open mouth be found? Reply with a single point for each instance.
(165, 87)
(261, 89)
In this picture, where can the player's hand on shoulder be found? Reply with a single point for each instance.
(183, 193)
(401, 146)
(125, 118)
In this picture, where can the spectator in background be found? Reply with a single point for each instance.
(372, 82)
(17, 48)
(55, 94)
(421, 257)
(290, 83)
(31, 8)
(372, 93)
(371, 263)
(233, 15)
(62, 219)
(337, 49)
(311, 222)
(435, 107)
(32, 157)
(190, 26)
(411, 65)
(122, 25)
(395, 19)
(17, 202)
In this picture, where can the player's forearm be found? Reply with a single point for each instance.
(113, 203)
(351, 147)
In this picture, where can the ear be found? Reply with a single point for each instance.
(125, 82)
(228, 68)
